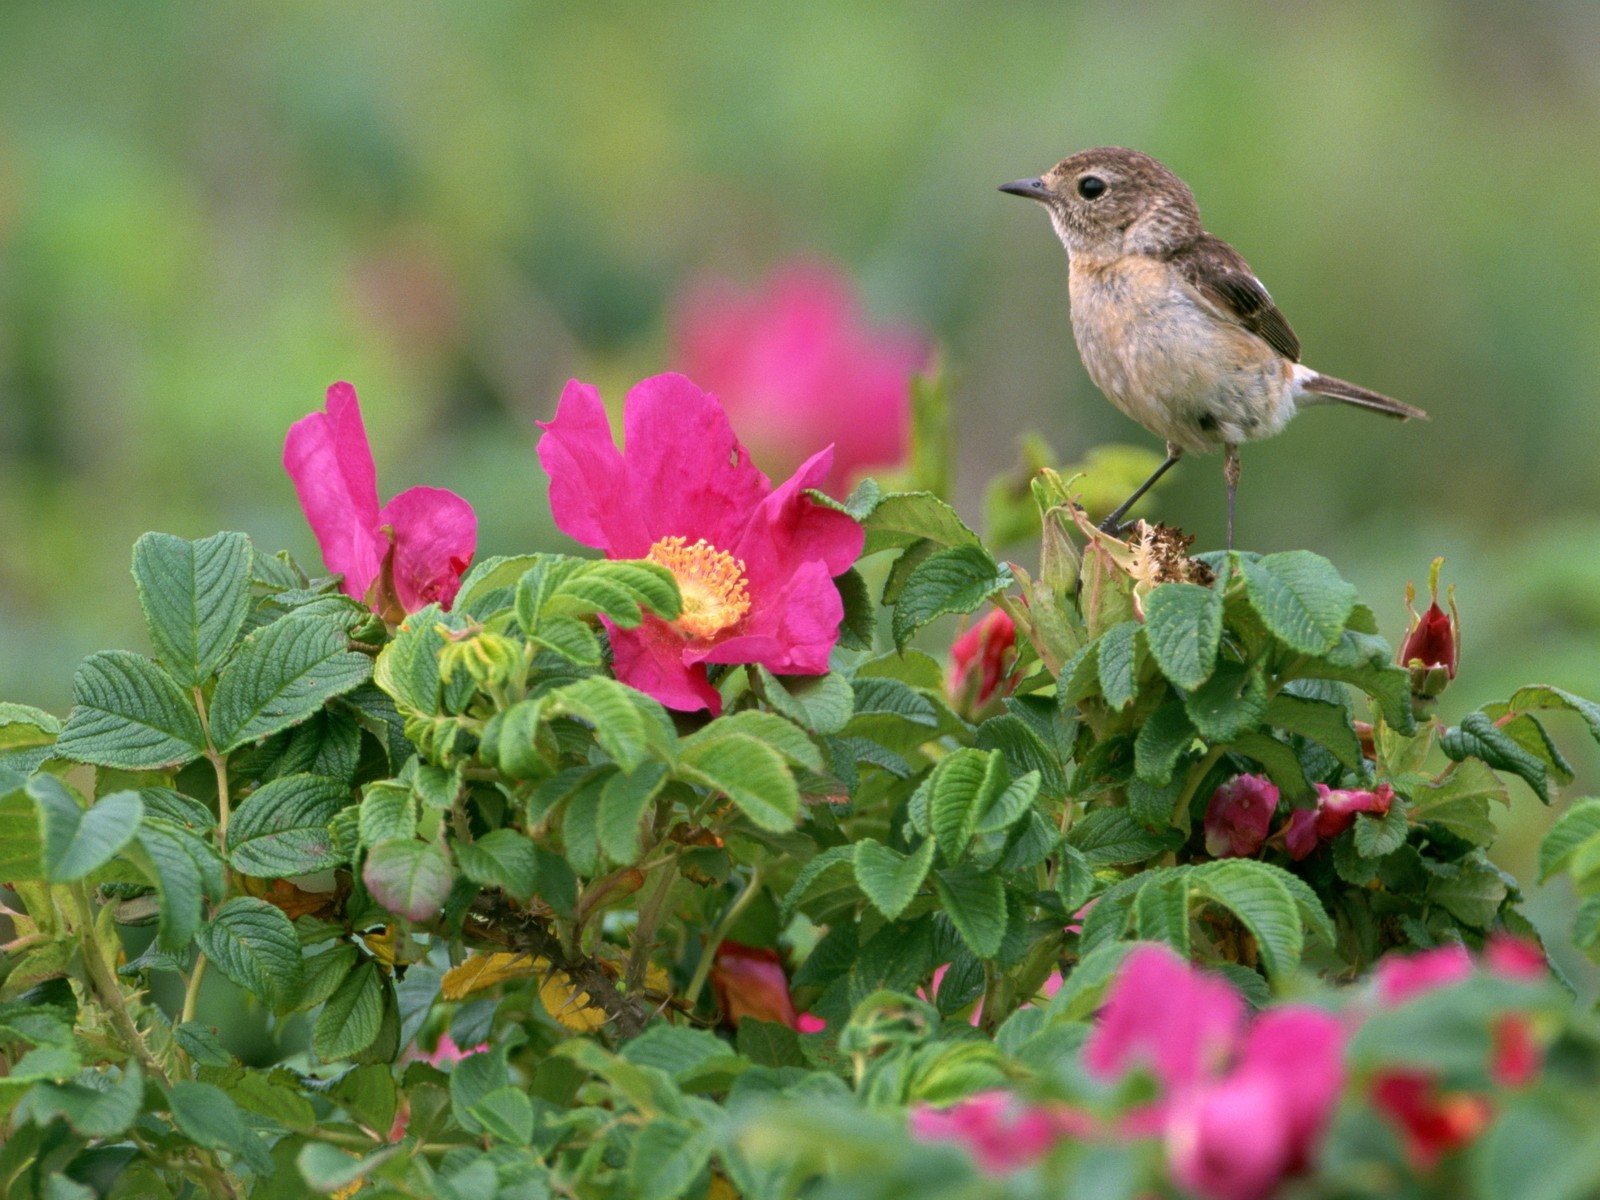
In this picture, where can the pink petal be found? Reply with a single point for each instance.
(592, 495)
(1302, 1048)
(435, 536)
(689, 474)
(791, 627)
(1239, 815)
(651, 659)
(1300, 835)
(1400, 977)
(1230, 1140)
(327, 456)
(1164, 1015)
(750, 982)
(1513, 957)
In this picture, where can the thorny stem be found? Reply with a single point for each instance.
(106, 985)
(702, 971)
(644, 933)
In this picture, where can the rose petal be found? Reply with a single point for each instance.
(651, 659)
(592, 496)
(435, 536)
(327, 456)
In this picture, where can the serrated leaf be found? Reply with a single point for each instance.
(1107, 836)
(1576, 827)
(388, 812)
(1161, 741)
(1300, 598)
(1478, 737)
(1023, 745)
(1118, 664)
(282, 827)
(783, 736)
(281, 675)
(128, 713)
(1074, 878)
(1279, 762)
(890, 879)
(1161, 911)
(627, 724)
(1010, 806)
(253, 944)
(1377, 836)
(351, 1018)
(507, 1115)
(410, 878)
(749, 772)
(962, 787)
(75, 841)
(825, 883)
(668, 1156)
(195, 596)
(975, 901)
(624, 800)
(823, 704)
(1232, 702)
(1324, 723)
(1253, 892)
(1183, 628)
(105, 1108)
(206, 1115)
(502, 858)
(1472, 893)
(954, 580)
(184, 870)
(570, 638)
(901, 518)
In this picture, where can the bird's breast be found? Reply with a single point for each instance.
(1168, 363)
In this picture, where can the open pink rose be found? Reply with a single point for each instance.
(799, 370)
(396, 559)
(755, 564)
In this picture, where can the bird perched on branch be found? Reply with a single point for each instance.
(1172, 324)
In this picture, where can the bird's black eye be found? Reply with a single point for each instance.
(1091, 187)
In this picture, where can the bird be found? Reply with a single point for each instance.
(1171, 322)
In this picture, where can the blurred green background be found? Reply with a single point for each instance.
(209, 213)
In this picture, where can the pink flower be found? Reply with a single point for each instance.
(1001, 1131)
(796, 366)
(1300, 834)
(1336, 812)
(1403, 976)
(1239, 816)
(810, 1023)
(980, 660)
(1432, 649)
(1431, 1122)
(1512, 957)
(755, 564)
(1239, 1110)
(396, 559)
(749, 982)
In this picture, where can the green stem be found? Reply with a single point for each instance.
(219, 763)
(191, 994)
(702, 971)
(644, 933)
(1197, 774)
(103, 979)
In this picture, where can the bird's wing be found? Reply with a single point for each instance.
(1225, 282)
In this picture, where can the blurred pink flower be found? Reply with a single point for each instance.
(798, 369)
(1403, 976)
(754, 563)
(396, 559)
(750, 982)
(1513, 957)
(1001, 1131)
(980, 660)
(1239, 816)
(1240, 1109)
(1431, 1122)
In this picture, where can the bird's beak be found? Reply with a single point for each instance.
(1033, 189)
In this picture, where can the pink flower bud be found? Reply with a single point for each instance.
(1239, 816)
(1432, 649)
(1336, 811)
(980, 660)
(1300, 834)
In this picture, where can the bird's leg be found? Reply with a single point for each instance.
(1230, 472)
(1113, 523)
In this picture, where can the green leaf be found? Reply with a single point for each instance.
(570, 638)
(1161, 741)
(955, 580)
(669, 1155)
(253, 944)
(769, 1043)
(1279, 762)
(1010, 806)
(619, 589)
(206, 1116)
(783, 736)
(1324, 723)
(625, 798)
(1183, 628)
(128, 713)
(105, 1109)
(975, 901)
(388, 812)
(282, 827)
(890, 879)
(1377, 836)
(1074, 878)
(749, 772)
(1479, 737)
(411, 879)
(1161, 911)
(823, 704)
(1232, 702)
(1112, 835)
(329, 1169)
(195, 596)
(964, 785)
(408, 667)
(824, 884)
(1254, 893)
(350, 1020)
(1543, 696)
(282, 674)
(901, 518)
(627, 723)
(1300, 598)
(502, 858)
(77, 842)
(1472, 893)
(1118, 664)
(1023, 744)
(1575, 828)
(860, 620)
(184, 869)
(506, 1114)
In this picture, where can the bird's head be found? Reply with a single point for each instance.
(1112, 201)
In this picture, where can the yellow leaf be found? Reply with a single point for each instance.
(485, 970)
(570, 1007)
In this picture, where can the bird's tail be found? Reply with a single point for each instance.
(1325, 389)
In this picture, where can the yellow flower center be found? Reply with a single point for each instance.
(711, 582)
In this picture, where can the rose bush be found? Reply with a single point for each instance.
(690, 871)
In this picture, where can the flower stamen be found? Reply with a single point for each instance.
(711, 582)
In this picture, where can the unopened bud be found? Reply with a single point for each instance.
(1432, 649)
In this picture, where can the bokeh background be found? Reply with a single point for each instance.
(208, 213)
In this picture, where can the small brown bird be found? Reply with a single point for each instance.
(1172, 324)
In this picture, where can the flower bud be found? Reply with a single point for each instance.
(1432, 649)
(491, 660)
(980, 660)
(1239, 815)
